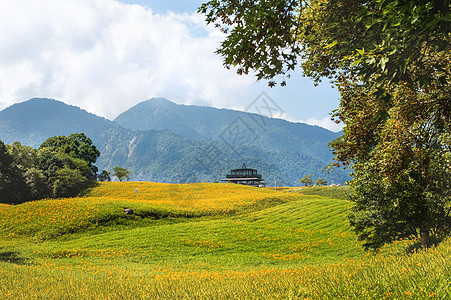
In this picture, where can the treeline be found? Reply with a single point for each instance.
(62, 166)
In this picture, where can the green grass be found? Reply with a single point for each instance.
(335, 192)
(102, 208)
(301, 248)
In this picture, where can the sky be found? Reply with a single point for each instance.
(106, 56)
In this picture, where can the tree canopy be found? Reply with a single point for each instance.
(320, 182)
(391, 63)
(105, 176)
(121, 173)
(306, 180)
(12, 180)
(61, 167)
(330, 38)
(78, 147)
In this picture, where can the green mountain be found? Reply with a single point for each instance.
(224, 125)
(158, 141)
(33, 121)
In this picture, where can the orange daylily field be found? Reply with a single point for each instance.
(205, 241)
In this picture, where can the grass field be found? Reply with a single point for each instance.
(205, 241)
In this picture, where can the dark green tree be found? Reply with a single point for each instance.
(13, 189)
(402, 173)
(121, 173)
(320, 182)
(105, 176)
(27, 160)
(307, 180)
(69, 182)
(391, 63)
(25, 157)
(76, 146)
(37, 183)
(49, 163)
(377, 39)
(61, 167)
(61, 157)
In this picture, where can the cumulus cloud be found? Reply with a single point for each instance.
(106, 56)
(325, 123)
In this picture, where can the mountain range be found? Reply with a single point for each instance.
(165, 142)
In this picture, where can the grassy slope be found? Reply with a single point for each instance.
(264, 245)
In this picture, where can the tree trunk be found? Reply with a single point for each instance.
(424, 234)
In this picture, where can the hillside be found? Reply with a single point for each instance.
(284, 150)
(163, 156)
(204, 241)
(33, 121)
(213, 124)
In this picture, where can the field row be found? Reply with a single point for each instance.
(103, 207)
(182, 244)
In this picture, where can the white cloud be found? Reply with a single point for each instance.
(106, 56)
(325, 123)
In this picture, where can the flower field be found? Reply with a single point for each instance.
(182, 244)
(205, 197)
(106, 204)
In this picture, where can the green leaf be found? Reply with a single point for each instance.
(383, 62)
(356, 62)
(331, 44)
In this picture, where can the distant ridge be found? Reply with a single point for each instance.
(165, 142)
(33, 121)
(209, 123)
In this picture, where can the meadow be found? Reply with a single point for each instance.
(205, 241)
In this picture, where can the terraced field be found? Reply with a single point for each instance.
(204, 241)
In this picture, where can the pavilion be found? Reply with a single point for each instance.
(245, 176)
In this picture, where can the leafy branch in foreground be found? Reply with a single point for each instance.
(375, 39)
(391, 63)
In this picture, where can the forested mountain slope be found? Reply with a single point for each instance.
(165, 142)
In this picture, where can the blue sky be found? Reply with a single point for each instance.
(300, 100)
(106, 56)
(177, 6)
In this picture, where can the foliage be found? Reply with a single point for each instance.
(77, 146)
(391, 62)
(320, 181)
(399, 149)
(12, 181)
(105, 176)
(377, 39)
(306, 180)
(37, 183)
(69, 182)
(27, 160)
(24, 157)
(404, 183)
(260, 35)
(68, 163)
(121, 173)
(400, 152)
(61, 167)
